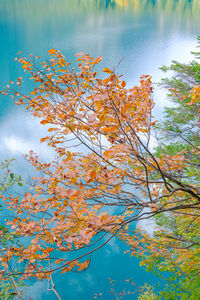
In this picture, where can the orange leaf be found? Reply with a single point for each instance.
(123, 84)
(43, 122)
(58, 261)
(51, 51)
(107, 70)
(52, 129)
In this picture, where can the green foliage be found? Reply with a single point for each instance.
(182, 118)
(6, 291)
(9, 288)
(148, 294)
(173, 251)
(171, 149)
(8, 178)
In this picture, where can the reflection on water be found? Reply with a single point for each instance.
(61, 6)
(147, 33)
(35, 12)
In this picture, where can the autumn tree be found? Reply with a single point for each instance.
(105, 175)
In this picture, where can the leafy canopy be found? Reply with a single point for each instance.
(105, 174)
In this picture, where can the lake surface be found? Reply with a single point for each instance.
(145, 34)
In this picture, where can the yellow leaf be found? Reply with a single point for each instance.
(109, 129)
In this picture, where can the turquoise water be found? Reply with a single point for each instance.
(145, 35)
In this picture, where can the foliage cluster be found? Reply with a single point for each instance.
(10, 287)
(106, 175)
(176, 247)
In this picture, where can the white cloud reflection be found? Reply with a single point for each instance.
(148, 225)
(20, 133)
